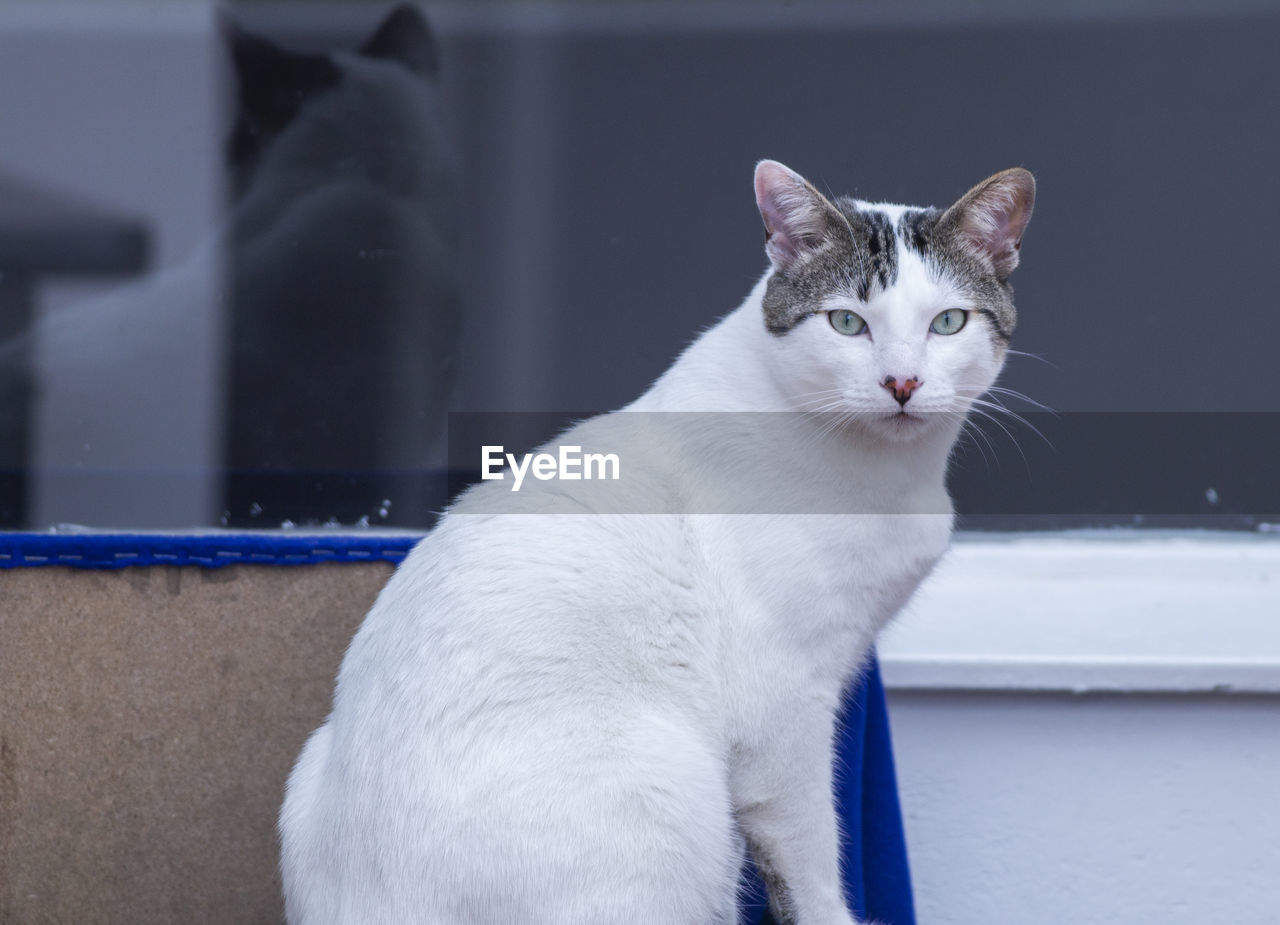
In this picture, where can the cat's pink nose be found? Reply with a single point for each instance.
(901, 388)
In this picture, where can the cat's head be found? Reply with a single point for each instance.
(311, 117)
(896, 316)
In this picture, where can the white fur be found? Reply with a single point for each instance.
(580, 719)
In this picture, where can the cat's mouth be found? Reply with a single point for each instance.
(905, 417)
(902, 424)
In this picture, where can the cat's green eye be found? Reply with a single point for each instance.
(847, 322)
(949, 322)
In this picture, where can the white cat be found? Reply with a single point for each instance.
(559, 718)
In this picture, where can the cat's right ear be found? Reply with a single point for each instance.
(990, 219)
(406, 37)
(797, 218)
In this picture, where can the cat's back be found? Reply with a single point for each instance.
(524, 686)
(528, 593)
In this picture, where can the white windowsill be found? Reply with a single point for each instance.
(1104, 611)
(1080, 612)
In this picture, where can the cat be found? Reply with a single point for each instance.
(556, 712)
(346, 303)
(313, 328)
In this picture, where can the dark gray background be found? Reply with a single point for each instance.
(1147, 275)
(624, 221)
(604, 154)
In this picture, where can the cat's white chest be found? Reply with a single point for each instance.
(820, 587)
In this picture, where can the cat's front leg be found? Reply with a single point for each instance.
(782, 791)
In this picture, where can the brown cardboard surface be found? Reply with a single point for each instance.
(148, 719)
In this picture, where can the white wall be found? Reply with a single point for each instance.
(1087, 730)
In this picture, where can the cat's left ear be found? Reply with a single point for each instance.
(990, 219)
(797, 218)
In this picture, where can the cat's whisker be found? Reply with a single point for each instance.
(997, 407)
(970, 429)
(982, 441)
(835, 391)
(1009, 351)
(817, 436)
(1008, 433)
(829, 420)
(820, 400)
(832, 404)
(833, 424)
(1012, 393)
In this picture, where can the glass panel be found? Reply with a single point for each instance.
(250, 262)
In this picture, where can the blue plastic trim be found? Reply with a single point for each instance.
(209, 550)
(874, 866)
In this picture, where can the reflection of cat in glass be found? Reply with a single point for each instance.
(345, 307)
(334, 272)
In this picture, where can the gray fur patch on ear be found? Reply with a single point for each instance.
(991, 218)
(941, 245)
(795, 293)
(977, 242)
(797, 218)
(860, 260)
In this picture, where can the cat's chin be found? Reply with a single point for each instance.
(900, 426)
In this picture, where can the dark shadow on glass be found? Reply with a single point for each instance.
(344, 307)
